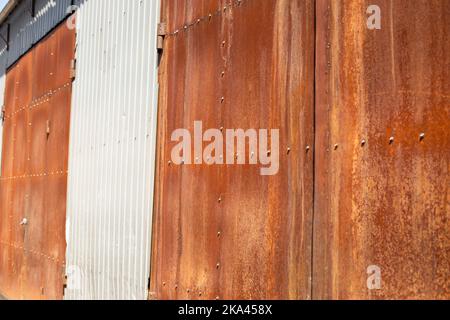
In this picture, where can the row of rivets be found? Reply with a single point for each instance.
(391, 141)
(38, 101)
(35, 175)
(33, 252)
(206, 18)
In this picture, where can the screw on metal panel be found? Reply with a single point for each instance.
(222, 99)
(336, 146)
(363, 143)
(210, 16)
(188, 291)
(217, 298)
(199, 294)
(219, 234)
(218, 266)
(221, 129)
(288, 150)
(169, 163)
(391, 140)
(223, 43)
(219, 200)
(269, 153)
(308, 148)
(164, 284)
(422, 136)
(223, 74)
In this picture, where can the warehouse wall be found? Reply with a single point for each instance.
(112, 139)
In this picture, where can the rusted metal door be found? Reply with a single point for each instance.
(382, 150)
(225, 231)
(34, 170)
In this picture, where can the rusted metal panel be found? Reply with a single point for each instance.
(226, 231)
(34, 170)
(382, 186)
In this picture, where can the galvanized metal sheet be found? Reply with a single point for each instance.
(33, 183)
(226, 231)
(27, 30)
(383, 136)
(112, 143)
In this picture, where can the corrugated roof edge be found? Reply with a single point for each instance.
(10, 6)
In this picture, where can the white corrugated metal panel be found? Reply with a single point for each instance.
(112, 150)
(27, 30)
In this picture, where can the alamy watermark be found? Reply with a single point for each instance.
(374, 279)
(227, 146)
(374, 20)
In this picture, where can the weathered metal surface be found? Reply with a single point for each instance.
(112, 150)
(226, 231)
(381, 190)
(27, 30)
(33, 183)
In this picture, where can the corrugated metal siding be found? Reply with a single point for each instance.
(33, 181)
(113, 132)
(27, 31)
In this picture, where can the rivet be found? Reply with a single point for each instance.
(219, 234)
(422, 136)
(223, 43)
(308, 148)
(288, 150)
(363, 143)
(188, 291)
(269, 153)
(217, 298)
(391, 140)
(219, 200)
(218, 266)
(169, 163)
(336, 146)
(222, 99)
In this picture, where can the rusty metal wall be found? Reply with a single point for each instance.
(33, 180)
(226, 231)
(382, 150)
